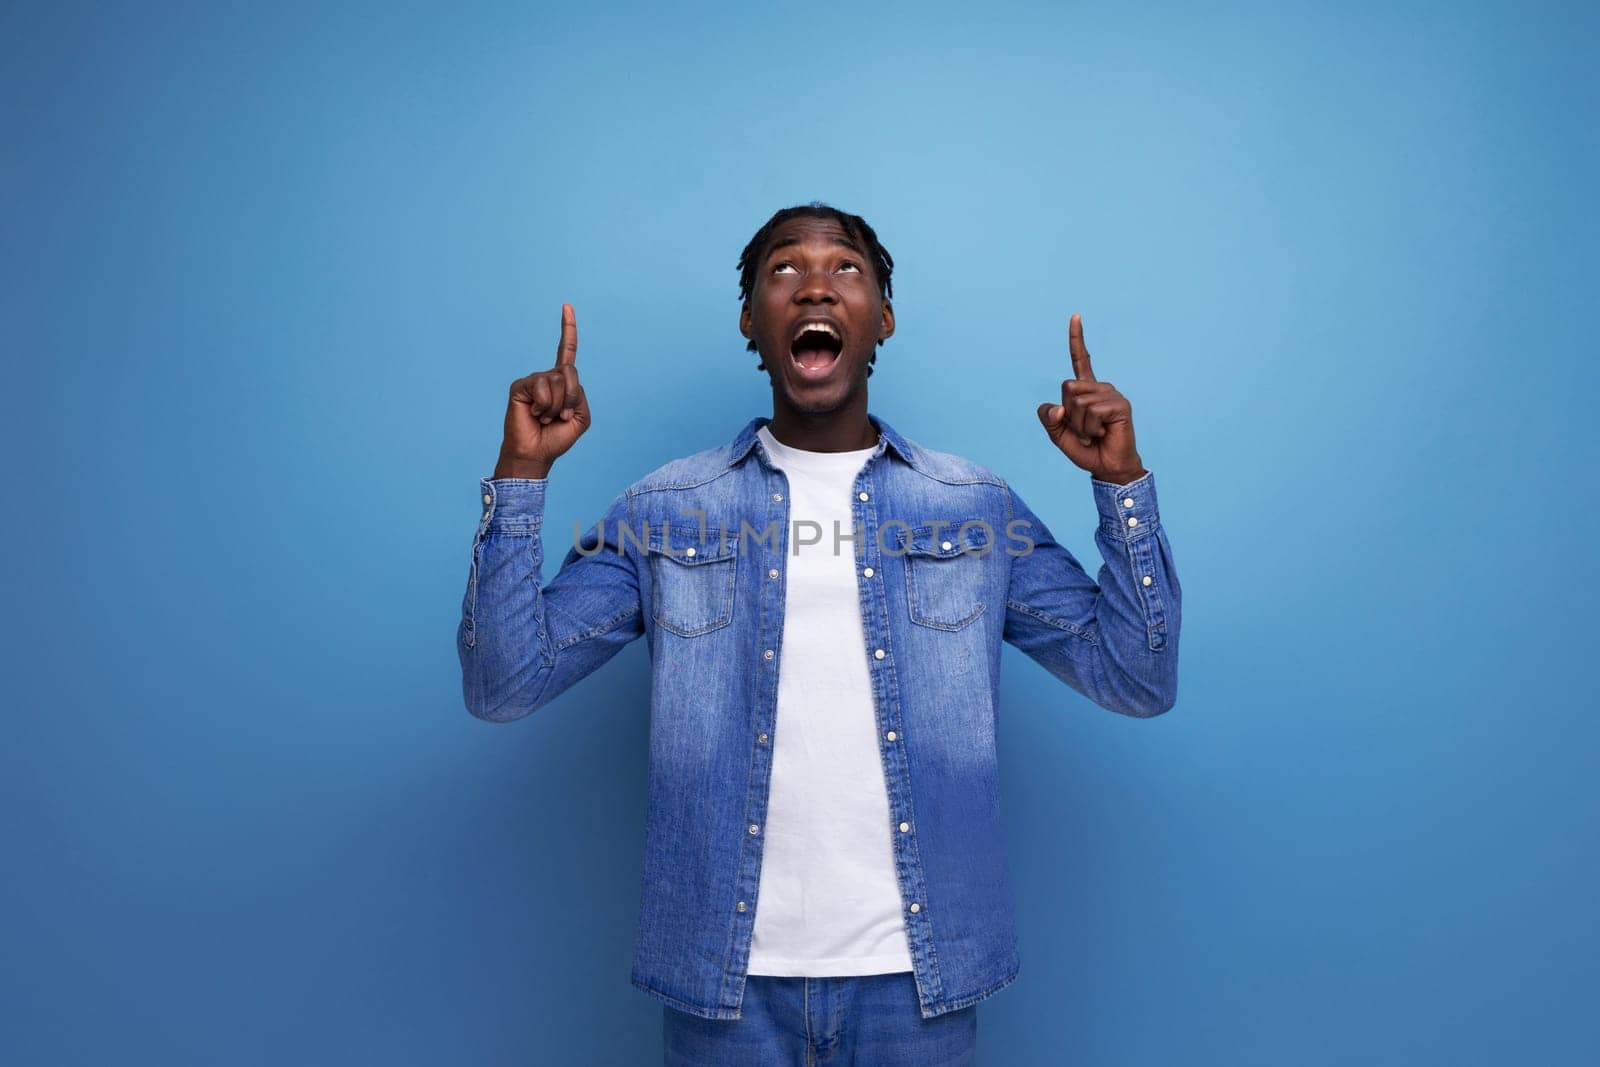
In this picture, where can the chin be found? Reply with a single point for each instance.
(831, 397)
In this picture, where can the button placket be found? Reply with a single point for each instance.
(879, 655)
(1154, 611)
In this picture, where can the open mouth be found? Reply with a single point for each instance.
(815, 347)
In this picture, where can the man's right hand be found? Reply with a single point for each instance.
(547, 411)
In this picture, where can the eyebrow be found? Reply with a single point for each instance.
(843, 242)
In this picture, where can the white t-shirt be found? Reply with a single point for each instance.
(828, 903)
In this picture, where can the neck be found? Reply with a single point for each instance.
(843, 430)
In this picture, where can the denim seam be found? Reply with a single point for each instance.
(1058, 623)
(598, 630)
(658, 487)
(693, 1009)
(973, 998)
(892, 687)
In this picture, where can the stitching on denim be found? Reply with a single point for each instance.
(472, 606)
(922, 618)
(693, 1009)
(889, 679)
(805, 1012)
(1058, 623)
(956, 1005)
(712, 549)
(976, 480)
(918, 543)
(731, 599)
(932, 938)
(657, 487)
(597, 630)
(515, 527)
(1154, 608)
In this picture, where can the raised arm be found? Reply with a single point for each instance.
(521, 641)
(1115, 640)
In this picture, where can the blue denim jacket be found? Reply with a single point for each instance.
(950, 563)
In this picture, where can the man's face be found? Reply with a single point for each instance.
(816, 313)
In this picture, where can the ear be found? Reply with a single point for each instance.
(744, 321)
(886, 329)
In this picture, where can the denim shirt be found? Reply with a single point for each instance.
(950, 562)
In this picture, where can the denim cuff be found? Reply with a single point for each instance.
(512, 504)
(1127, 512)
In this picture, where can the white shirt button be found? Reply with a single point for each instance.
(1127, 501)
(740, 905)
(777, 496)
(761, 738)
(773, 573)
(877, 654)
(904, 827)
(890, 735)
(1146, 579)
(945, 545)
(867, 573)
(915, 906)
(863, 496)
(754, 829)
(767, 654)
(689, 551)
(1132, 521)
(487, 499)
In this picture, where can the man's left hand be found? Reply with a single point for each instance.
(1093, 424)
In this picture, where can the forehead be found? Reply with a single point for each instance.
(807, 230)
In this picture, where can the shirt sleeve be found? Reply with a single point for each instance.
(523, 641)
(1114, 640)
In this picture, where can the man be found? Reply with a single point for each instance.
(825, 869)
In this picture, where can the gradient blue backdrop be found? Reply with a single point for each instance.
(268, 271)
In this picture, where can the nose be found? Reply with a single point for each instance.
(816, 288)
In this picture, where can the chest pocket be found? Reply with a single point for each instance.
(944, 584)
(694, 579)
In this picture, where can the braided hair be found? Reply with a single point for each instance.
(856, 226)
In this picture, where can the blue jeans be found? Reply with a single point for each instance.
(868, 1020)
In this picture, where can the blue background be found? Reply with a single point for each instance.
(268, 271)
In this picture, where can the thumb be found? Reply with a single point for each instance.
(1054, 419)
(1051, 415)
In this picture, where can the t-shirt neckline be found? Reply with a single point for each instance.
(789, 451)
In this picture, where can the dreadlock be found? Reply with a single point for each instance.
(856, 226)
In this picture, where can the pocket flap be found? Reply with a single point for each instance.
(942, 542)
(683, 543)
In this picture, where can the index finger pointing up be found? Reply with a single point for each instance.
(567, 350)
(1080, 355)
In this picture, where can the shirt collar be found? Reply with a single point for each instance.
(887, 438)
